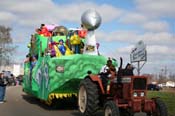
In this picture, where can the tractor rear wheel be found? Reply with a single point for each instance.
(111, 109)
(88, 97)
(161, 109)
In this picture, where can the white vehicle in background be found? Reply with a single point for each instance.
(162, 85)
(170, 84)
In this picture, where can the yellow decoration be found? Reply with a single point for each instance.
(60, 95)
(48, 102)
(68, 51)
(58, 53)
(29, 45)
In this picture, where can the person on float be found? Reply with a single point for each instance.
(75, 42)
(61, 47)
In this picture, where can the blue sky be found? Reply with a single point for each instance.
(124, 23)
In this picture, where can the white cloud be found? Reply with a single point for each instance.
(145, 22)
(161, 50)
(156, 8)
(150, 15)
(156, 26)
(159, 38)
(133, 18)
(125, 50)
(7, 18)
(120, 36)
(159, 57)
(156, 50)
(45, 11)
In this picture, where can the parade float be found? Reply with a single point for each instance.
(59, 58)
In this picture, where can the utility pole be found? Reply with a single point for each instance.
(165, 73)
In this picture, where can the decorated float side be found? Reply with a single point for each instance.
(59, 58)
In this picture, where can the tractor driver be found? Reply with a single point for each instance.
(109, 69)
(107, 72)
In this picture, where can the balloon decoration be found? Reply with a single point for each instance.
(51, 27)
(44, 31)
(82, 33)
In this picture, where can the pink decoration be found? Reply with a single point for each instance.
(51, 27)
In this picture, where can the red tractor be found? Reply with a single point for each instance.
(124, 95)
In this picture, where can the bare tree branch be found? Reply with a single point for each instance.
(6, 46)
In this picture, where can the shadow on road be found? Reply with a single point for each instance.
(99, 113)
(60, 104)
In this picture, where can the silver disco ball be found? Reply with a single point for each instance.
(91, 19)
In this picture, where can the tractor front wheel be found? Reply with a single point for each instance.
(161, 109)
(88, 97)
(111, 109)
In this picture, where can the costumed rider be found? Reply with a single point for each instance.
(61, 47)
(107, 72)
(75, 42)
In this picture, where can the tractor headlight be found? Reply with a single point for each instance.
(60, 69)
(135, 94)
(142, 94)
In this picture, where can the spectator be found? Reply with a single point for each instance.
(3, 83)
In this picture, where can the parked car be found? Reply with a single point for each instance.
(153, 87)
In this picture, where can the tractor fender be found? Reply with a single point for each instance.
(149, 105)
(97, 80)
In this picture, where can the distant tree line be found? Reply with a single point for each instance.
(6, 46)
(172, 77)
(161, 78)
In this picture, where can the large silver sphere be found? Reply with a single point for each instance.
(91, 19)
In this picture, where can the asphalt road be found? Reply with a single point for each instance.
(20, 104)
